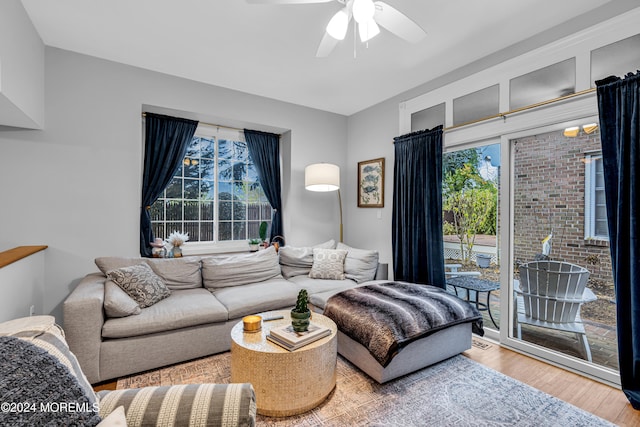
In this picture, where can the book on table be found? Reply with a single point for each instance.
(286, 337)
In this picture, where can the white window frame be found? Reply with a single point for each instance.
(216, 246)
(590, 197)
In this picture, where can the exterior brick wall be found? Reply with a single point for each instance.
(549, 198)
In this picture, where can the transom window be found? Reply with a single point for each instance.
(214, 195)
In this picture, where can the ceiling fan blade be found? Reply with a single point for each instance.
(398, 23)
(327, 44)
(287, 1)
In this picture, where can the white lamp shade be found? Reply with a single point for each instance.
(322, 177)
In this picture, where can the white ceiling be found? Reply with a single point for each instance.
(269, 50)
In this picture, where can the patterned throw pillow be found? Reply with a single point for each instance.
(141, 284)
(328, 264)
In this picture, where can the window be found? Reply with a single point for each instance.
(428, 118)
(214, 195)
(476, 105)
(595, 208)
(540, 85)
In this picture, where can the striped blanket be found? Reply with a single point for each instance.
(387, 316)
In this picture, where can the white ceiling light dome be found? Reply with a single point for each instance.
(337, 27)
(363, 10)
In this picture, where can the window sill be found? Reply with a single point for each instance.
(601, 243)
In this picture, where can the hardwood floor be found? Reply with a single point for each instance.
(599, 399)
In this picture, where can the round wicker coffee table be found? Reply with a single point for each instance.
(286, 382)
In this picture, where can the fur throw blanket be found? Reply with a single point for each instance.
(384, 317)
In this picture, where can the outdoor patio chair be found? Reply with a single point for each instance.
(549, 295)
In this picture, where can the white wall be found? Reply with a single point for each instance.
(21, 68)
(22, 286)
(75, 186)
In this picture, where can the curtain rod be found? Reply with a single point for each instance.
(210, 124)
(518, 110)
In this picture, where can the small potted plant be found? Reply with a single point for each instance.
(263, 233)
(176, 240)
(301, 314)
(254, 244)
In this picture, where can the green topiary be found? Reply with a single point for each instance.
(301, 303)
(263, 230)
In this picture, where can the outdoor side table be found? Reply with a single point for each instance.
(473, 283)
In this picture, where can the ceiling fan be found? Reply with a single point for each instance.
(369, 16)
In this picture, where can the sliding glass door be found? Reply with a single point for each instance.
(563, 300)
(517, 207)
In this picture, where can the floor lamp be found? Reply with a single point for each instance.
(324, 177)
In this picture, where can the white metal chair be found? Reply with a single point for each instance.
(549, 295)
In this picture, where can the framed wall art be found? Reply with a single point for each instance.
(371, 183)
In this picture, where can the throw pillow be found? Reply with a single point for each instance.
(297, 261)
(235, 270)
(140, 283)
(328, 264)
(117, 303)
(360, 264)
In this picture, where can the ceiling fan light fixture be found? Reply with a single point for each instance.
(337, 27)
(363, 10)
(368, 30)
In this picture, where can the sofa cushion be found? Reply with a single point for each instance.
(178, 273)
(328, 264)
(108, 263)
(117, 303)
(314, 286)
(297, 261)
(360, 264)
(257, 297)
(182, 309)
(243, 269)
(140, 283)
(319, 300)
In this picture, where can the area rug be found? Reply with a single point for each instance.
(455, 392)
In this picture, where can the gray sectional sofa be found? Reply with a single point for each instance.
(191, 303)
